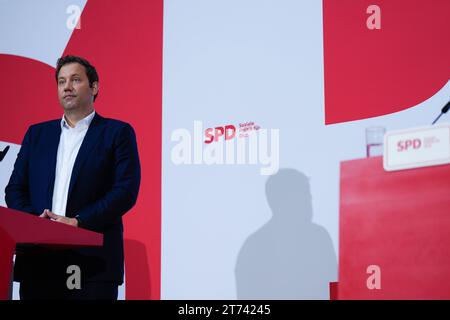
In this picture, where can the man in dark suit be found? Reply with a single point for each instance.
(82, 170)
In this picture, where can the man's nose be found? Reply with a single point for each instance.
(68, 86)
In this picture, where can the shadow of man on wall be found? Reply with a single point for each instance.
(289, 257)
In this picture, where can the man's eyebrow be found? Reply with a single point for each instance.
(72, 75)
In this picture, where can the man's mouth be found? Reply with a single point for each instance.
(69, 97)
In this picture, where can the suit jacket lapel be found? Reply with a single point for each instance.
(89, 141)
(52, 151)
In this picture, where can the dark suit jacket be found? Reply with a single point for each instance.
(104, 185)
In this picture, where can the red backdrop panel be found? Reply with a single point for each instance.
(371, 73)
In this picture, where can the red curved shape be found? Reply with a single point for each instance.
(370, 73)
(29, 95)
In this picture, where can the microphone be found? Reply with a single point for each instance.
(444, 110)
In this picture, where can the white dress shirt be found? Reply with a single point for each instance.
(69, 145)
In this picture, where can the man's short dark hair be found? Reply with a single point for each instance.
(90, 69)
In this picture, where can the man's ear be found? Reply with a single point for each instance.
(94, 88)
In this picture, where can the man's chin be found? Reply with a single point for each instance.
(69, 106)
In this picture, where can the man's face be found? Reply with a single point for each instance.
(74, 92)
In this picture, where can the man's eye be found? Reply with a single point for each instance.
(76, 80)
(60, 82)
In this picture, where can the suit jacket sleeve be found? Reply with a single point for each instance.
(17, 193)
(124, 191)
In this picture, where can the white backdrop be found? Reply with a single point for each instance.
(229, 62)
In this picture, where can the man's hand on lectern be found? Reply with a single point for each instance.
(55, 217)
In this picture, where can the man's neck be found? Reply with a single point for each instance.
(72, 118)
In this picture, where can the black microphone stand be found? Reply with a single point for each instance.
(444, 110)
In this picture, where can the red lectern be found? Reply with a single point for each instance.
(21, 228)
(398, 222)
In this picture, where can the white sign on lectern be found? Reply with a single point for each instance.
(417, 147)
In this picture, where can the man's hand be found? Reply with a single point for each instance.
(54, 217)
